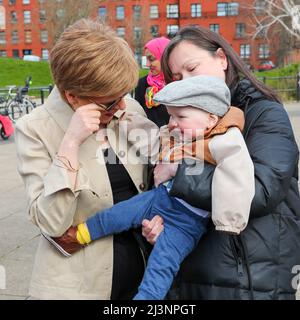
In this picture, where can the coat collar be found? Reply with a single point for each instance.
(243, 93)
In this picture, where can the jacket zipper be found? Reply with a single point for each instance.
(238, 256)
(240, 266)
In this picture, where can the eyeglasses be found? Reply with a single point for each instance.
(109, 105)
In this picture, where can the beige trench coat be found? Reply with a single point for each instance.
(53, 206)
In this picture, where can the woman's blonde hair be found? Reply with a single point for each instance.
(89, 59)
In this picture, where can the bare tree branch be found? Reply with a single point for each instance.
(269, 13)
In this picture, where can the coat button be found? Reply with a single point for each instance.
(121, 154)
(142, 186)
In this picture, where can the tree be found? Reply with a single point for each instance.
(59, 14)
(276, 23)
(285, 14)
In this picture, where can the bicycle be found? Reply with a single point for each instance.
(16, 105)
(19, 106)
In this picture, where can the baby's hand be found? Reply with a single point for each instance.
(151, 229)
(164, 172)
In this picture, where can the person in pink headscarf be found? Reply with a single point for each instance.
(153, 82)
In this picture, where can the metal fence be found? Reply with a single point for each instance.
(288, 87)
(38, 94)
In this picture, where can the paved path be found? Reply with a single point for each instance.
(18, 237)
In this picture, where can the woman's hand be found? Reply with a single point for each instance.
(151, 229)
(84, 122)
(164, 172)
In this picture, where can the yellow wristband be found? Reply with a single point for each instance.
(82, 234)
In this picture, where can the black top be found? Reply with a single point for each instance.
(128, 265)
(159, 114)
(258, 263)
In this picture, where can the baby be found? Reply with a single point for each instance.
(210, 130)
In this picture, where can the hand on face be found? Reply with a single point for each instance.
(89, 115)
(85, 121)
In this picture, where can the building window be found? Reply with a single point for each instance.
(263, 51)
(15, 53)
(137, 31)
(26, 1)
(14, 36)
(120, 12)
(102, 11)
(3, 53)
(172, 29)
(2, 37)
(13, 17)
(222, 9)
(245, 51)
(227, 9)
(260, 7)
(240, 30)
(153, 12)
(154, 31)
(137, 12)
(27, 16)
(215, 27)
(233, 9)
(172, 11)
(42, 16)
(44, 36)
(12, 2)
(26, 52)
(196, 10)
(2, 18)
(28, 36)
(45, 54)
(121, 32)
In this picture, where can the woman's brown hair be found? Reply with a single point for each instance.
(89, 59)
(211, 42)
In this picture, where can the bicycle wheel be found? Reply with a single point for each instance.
(14, 110)
(28, 105)
(3, 135)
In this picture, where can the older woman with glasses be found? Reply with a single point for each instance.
(63, 161)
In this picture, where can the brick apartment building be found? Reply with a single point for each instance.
(23, 29)
(23, 32)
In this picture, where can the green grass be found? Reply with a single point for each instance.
(14, 72)
(143, 72)
(290, 70)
